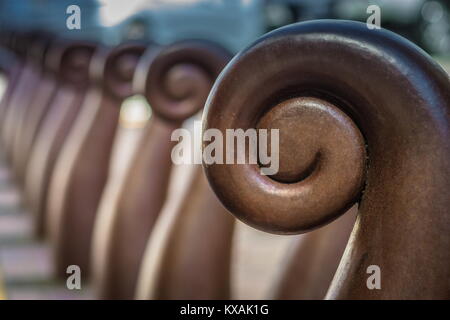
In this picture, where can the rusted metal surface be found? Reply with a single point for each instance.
(82, 167)
(176, 81)
(70, 67)
(340, 89)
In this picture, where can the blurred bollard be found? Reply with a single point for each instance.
(9, 70)
(22, 93)
(45, 89)
(11, 65)
(313, 260)
(176, 81)
(83, 164)
(190, 256)
(70, 65)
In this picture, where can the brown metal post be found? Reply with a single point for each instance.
(21, 96)
(364, 116)
(82, 166)
(177, 83)
(33, 113)
(313, 260)
(11, 66)
(195, 261)
(70, 66)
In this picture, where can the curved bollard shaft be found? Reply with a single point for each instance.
(33, 113)
(177, 83)
(195, 260)
(142, 197)
(12, 68)
(82, 167)
(313, 261)
(18, 104)
(71, 65)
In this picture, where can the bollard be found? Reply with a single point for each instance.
(33, 111)
(10, 67)
(193, 261)
(22, 94)
(177, 82)
(70, 67)
(370, 111)
(82, 166)
(312, 261)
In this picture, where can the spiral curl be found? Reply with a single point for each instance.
(331, 87)
(114, 68)
(180, 77)
(71, 61)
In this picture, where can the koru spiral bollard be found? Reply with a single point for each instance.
(82, 167)
(32, 111)
(176, 81)
(15, 70)
(41, 102)
(70, 65)
(22, 94)
(363, 116)
(10, 66)
(178, 262)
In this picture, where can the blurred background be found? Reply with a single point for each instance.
(233, 24)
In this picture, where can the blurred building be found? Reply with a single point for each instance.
(425, 22)
(232, 23)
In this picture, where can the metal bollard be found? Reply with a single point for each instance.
(176, 82)
(82, 167)
(371, 112)
(33, 109)
(22, 93)
(10, 66)
(70, 67)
